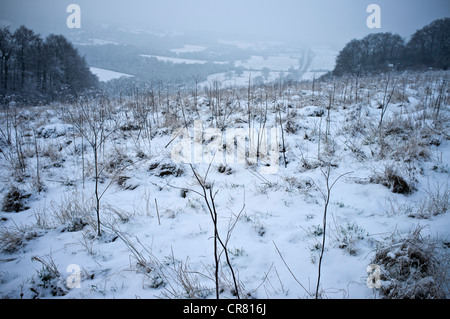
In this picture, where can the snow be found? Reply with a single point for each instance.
(178, 60)
(254, 45)
(157, 226)
(279, 63)
(187, 48)
(240, 44)
(97, 42)
(174, 60)
(107, 75)
(230, 79)
(323, 60)
(54, 130)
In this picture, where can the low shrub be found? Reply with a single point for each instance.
(394, 181)
(165, 169)
(412, 269)
(14, 200)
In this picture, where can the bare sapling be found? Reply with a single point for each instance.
(262, 125)
(282, 138)
(328, 128)
(18, 146)
(439, 100)
(196, 79)
(326, 196)
(384, 106)
(38, 177)
(90, 121)
(209, 197)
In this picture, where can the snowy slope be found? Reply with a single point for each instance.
(157, 239)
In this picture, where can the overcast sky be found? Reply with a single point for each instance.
(301, 20)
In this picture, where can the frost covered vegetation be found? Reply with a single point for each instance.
(362, 178)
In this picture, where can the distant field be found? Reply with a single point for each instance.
(107, 75)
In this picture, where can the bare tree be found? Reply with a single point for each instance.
(90, 120)
(209, 197)
(326, 196)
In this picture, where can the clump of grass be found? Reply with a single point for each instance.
(302, 185)
(71, 214)
(394, 181)
(117, 162)
(165, 169)
(190, 283)
(223, 169)
(412, 269)
(122, 181)
(437, 202)
(49, 280)
(316, 230)
(292, 126)
(14, 238)
(348, 235)
(14, 200)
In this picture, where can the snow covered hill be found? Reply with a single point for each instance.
(373, 153)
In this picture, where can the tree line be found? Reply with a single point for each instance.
(428, 47)
(36, 70)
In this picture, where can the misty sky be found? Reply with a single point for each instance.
(321, 21)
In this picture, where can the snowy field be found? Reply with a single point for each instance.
(97, 42)
(175, 60)
(189, 48)
(231, 79)
(390, 188)
(107, 75)
(323, 59)
(279, 63)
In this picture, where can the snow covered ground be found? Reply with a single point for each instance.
(322, 61)
(97, 42)
(107, 75)
(189, 48)
(157, 232)
(230, 79)
(178, 60)
(174, 60)
(278, 63)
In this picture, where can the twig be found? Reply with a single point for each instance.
(209, 200)
(326, 174)
(295, 278)
(157, 211)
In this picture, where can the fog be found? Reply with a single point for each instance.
(317, 21)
